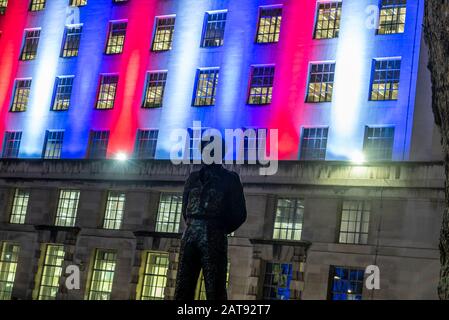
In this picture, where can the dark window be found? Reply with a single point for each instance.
(269, 27)
(346, 283)
(163, 36)
(30, 44)
(378, 144)
(146, 143)
(63, 93)
(72, 39)
(385, 79)
(21, 96)
(53, 144)
(392, 16)
(277, 281)
(154, 90)
(37, 5)
(206, 87)
(214, 29)
(98, 144)
(116, 38)
(107, 91)
(261, 90)
(321, 82)
(314, 143)
(11, 144)
(328, 20)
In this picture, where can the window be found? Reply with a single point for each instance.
(154, 277)
(328, 20)
(11, 144)
(30, 44)
(254, 142)
(67, 208)
(346, 283)
(51, 272)
(72, 39)
(9, 255)
(385, 79)
(98, 144)
(269, 28)
(22, 89)
(78, 3)
(392, 16)
(3, 6)
(354, 222)
(206, 87)
(378, 143)
(19, 206)
(261, 86)
(115, 206)
(314, 143)
(321, 82)
(278, 277)
(146, 143)
(163, 36)
(63, 93)
(154, 91)
(53, 144)
(116, 38)
(288, 220)
(102, 275)
(169, 213)
(107, 91)
(214, 29)
(37, 5)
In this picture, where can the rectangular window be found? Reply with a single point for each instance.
(115, 207)
(30, 44)
(378, 143)
(78, 3)
(392, 16)
(21, 97)
(116, 37)
(261, 85)
(11, 144)
(37, 5)
(214, 29)
(3, 6)
(19, 206)
(53, 144)
(206, 87)
(385, 79)
(146, 143)
(154, 277)
(102, 275)
(269, 27)
(314, 143)
(169, 213)
(52, 262)
(98, 144)
(321, 82)
(328, 20)
(163, 36)
(9, 255)
(278, 277)
(354, 222)
(289, 219)
(67, 208)
(72, 40)
(107, 91)
(254, 140)
(346, 283)
(154, 90)
(63, 93)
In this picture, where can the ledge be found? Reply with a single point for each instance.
(291, 243)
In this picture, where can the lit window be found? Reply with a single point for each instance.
(277, 281)
(98, 144)
(206, 87)
(78, 3)
(30, 44)
(200, 292)
(169, 213)
(102, 275)
(254, 141)
(346, 283)
(116, 38)
(72, 39)
(115, 207)
(146, 143)
(63, 93)
(22, 89)
(52, 262)
(37, 5)
(163, 36)
(154, 91)
(328, 20)
(107, 91)
(321, 82)
(3, 6)
(154, 276)
(289, 219)
(314, 143)
(354, 222)
(385, 79)
(392, 16)
(261, 86)
(9, 255)
(214, 29)
(269, 28)
(11, 144)
(19, 206)
(53, 144)
(67, 208)
(378, 143)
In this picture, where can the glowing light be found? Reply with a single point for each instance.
(358, 158)
(121, 156)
